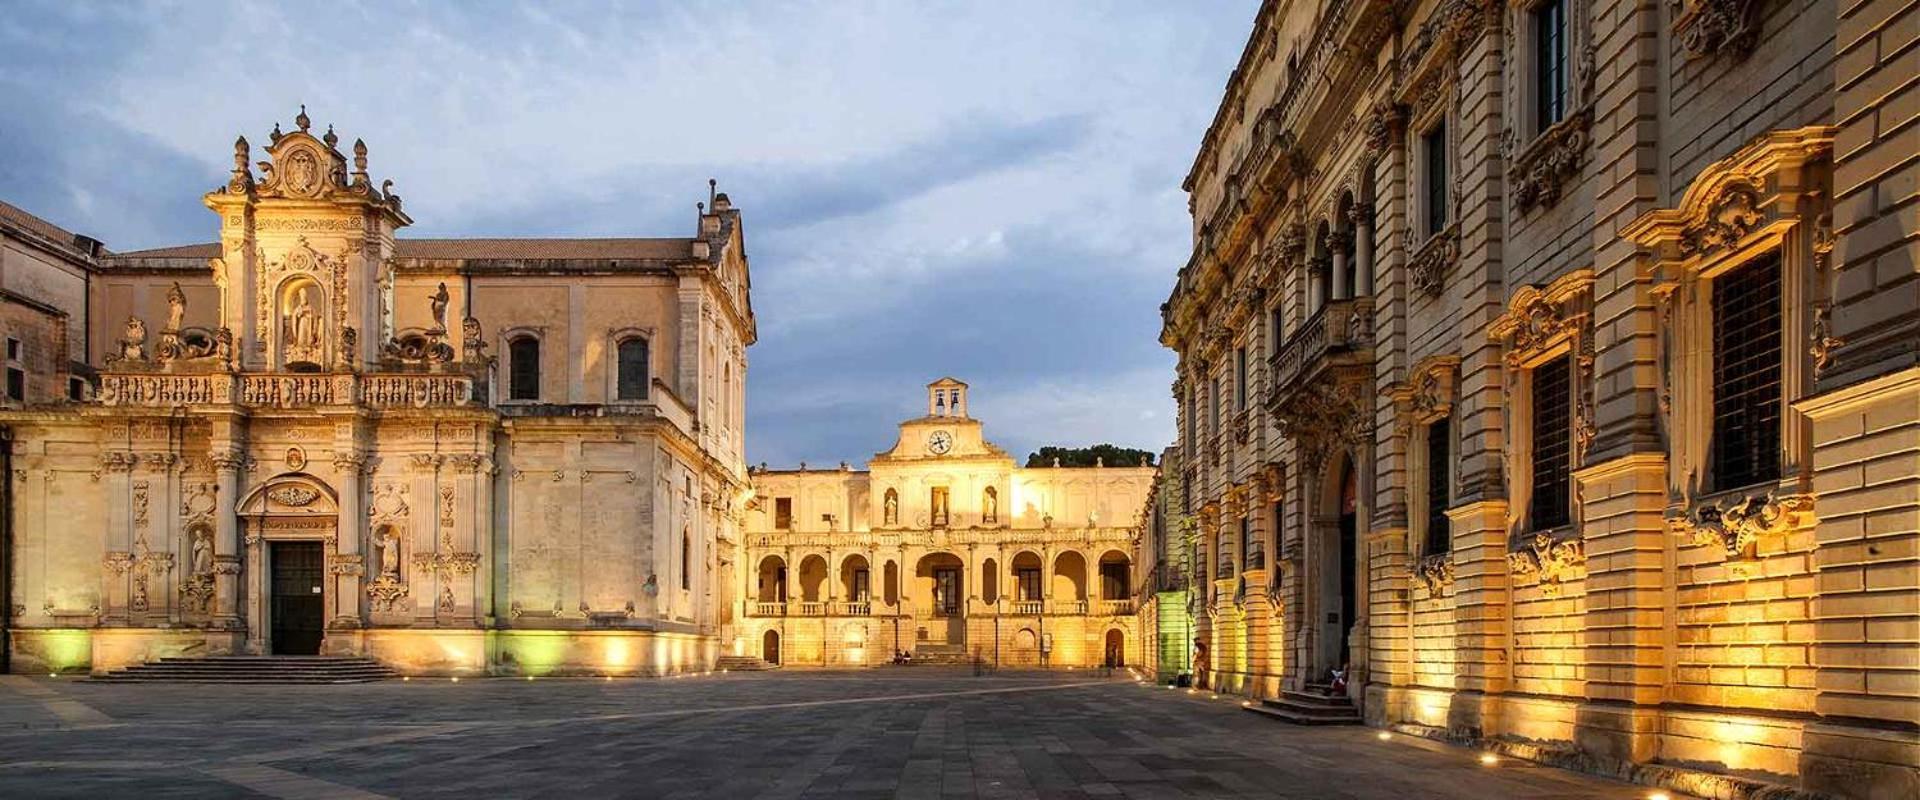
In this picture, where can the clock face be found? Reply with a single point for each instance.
(939, 442)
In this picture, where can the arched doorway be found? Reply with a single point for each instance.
(1338, 565)
(290, 523)
(1116, 649)
(939, 595)
(772, 584)
(770, 647)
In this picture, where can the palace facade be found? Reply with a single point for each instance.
(1550, 370)
(944, 548)
(507, 456)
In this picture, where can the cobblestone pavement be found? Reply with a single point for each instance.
(900, 732)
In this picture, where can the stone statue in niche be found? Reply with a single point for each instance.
(303, 328)
(202, 553)
(388, 540)
(439, 305)
(892, 512)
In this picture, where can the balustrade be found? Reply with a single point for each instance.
(282, 390)
(770, 609)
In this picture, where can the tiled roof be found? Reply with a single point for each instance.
(503, 249)
(19, 217)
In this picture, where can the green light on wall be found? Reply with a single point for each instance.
(67, 650)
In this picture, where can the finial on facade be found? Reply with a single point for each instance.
(712, 186)
(274, 137)
(700, 207)
(241, 152)
(330, 138)
(360, 155)
(302, 119)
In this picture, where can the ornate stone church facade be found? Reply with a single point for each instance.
(946, 549)
(509, 456)
(1550, 371)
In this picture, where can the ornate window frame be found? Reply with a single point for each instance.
(1773, 195)
(1541, 166)
(1431, 97)
(1424, 399)
(614, 339)
(1544, 323)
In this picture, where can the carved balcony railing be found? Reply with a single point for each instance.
(769, 609)
(285, 389)
(857, 608)
(1340, 332)
(1069, 606)
(1115, 608)
(1028, 607)
(812, 608)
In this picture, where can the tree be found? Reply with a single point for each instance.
(1107, 454)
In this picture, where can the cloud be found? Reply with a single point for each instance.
(989, 190)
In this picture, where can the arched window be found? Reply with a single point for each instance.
(523, 368)
(633, 380)
(686, 560)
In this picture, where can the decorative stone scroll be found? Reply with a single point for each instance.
(1427, 272)
(1435, 572)
(1323, 418)
(1541, 171)
(1713, 27)
(1735, 522)
(1549, 562)
(1540, 318)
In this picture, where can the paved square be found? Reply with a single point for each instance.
(901, 732)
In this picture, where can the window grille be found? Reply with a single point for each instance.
(1439, 463)
(1552, 444)
(1746, 375)
(633, 376)
(1434, 148)
(523, 380)
(1550, 63)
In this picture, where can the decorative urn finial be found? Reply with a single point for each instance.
(330, 138)
(274, 137)
(302, 119)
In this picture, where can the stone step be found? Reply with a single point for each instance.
(1317, 698)
(1293, 706)
(254, 669)
(1292, 715)
(743, 664)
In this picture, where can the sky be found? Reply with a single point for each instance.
(977, 189)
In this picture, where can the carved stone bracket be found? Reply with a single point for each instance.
(1431, 264)
(1735, 522)
(1712, 27)
(386, 592)
(1540, 172)
(1435, 572)
(1550, 562)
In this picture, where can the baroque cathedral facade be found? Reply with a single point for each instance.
(1549, 377)
(312, 435)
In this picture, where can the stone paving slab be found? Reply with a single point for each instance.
(910, 733)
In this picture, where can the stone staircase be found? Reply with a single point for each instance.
(939, 654)
(253, 669)
(1312, 707)
(743, 664)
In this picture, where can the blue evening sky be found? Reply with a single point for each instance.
(981, 189)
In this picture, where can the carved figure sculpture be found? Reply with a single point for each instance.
(439, 304)
(202, 554)
(892, 512)
(176, 306)
(389, 541)
(134, 344)
(303, 327)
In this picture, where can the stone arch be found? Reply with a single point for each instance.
(1116, 575)
(1034, 588)
(290, 493)
(772, 580)
(1069, 579)
(853, 588)
(813, 578)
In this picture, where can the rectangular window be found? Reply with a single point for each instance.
(1549, 63)
(13, 349)
(1552, 444)
(16, 384)
(1247, 554)
(1279, 332)
(1213, 426)
(1746, 374)
(1240, 379)
(523, 365)
(1027, 582)
(783, 513)
(1433, 148)
(1439, 467)
(76, 389)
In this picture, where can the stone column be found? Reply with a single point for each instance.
(1341, 290)
(1362, 251)
(226, 538)
(481, 484)
(346, 564)
(1316, 287)
(1483, 615)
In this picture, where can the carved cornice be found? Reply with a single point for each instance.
(1428, 393)
(1734, 198)
(1322, 418)
(1540, 318)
